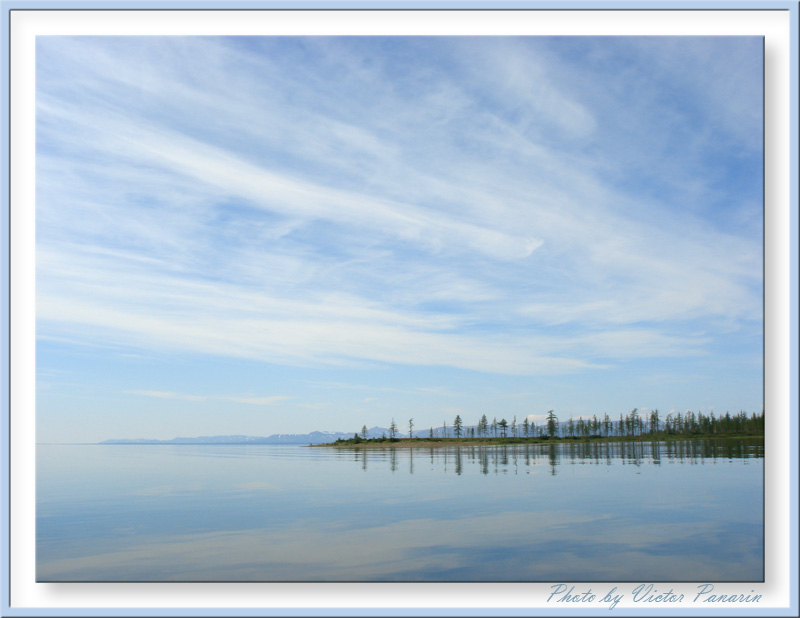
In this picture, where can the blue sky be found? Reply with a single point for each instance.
(257, 235)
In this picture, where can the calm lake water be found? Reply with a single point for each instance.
(678, 511)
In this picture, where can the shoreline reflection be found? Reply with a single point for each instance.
(519, 458)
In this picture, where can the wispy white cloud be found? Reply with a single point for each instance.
(522, 84)
(476, 208)
(255, 401)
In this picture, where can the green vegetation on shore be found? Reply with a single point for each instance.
(436, 442)
(629, 428)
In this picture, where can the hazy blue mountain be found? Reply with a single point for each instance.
(315, 437)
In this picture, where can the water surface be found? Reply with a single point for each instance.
(676, 511)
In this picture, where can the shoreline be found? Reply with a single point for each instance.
(444, 442)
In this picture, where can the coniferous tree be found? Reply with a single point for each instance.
(457, 424)
(692, 422)
(392, 430)
(364, 432)
(503, 424)
(411, 428)
(552, 424)
(483, 426)
(631, 422)
(526, 426)
(654, 421)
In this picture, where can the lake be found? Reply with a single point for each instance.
(667, 511)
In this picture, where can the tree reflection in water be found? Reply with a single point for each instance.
(522, 458)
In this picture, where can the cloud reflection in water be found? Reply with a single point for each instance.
(574, 512)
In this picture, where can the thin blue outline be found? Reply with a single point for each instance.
(794, 296)
(794, 329)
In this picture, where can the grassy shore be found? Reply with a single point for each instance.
(440, 442)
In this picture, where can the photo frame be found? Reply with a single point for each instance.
(24, 21)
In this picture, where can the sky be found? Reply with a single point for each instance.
(259, 235)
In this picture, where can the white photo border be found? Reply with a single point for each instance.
(23, 21)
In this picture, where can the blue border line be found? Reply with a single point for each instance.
(794, 296)
(568, 5)
(5, 242)
(390, 612)
(5, 310)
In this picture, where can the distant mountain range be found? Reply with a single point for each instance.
(315, 437)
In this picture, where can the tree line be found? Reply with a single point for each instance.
(633, 424)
